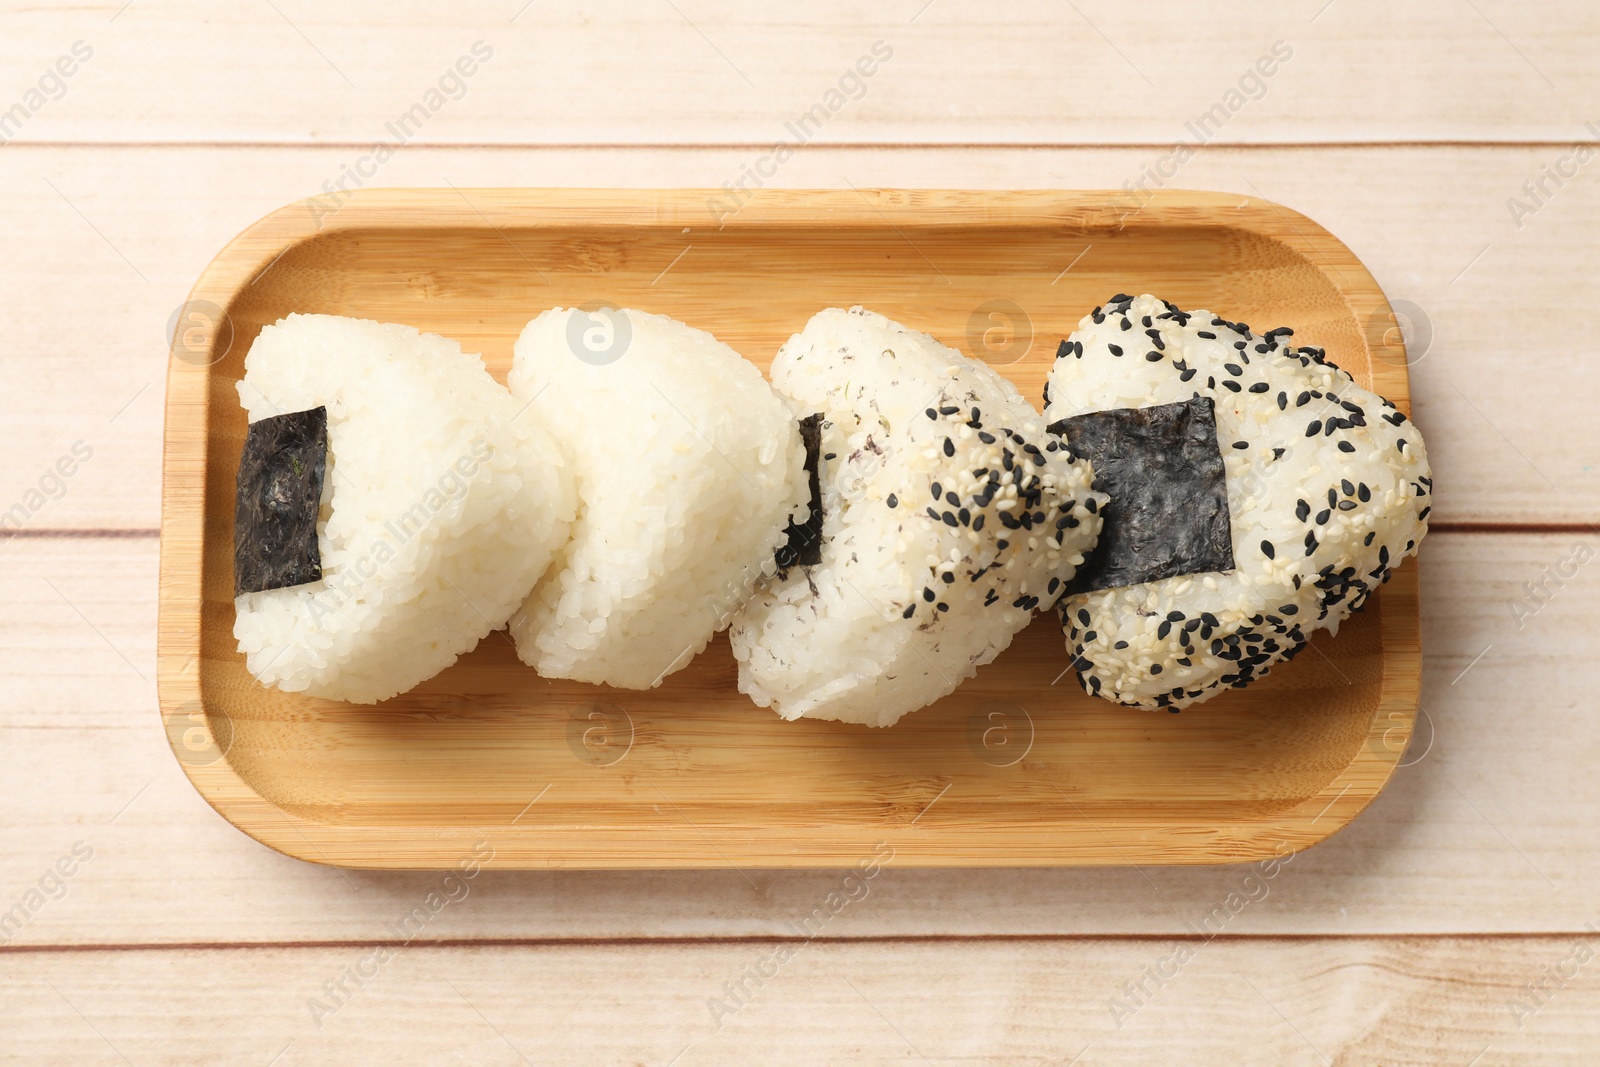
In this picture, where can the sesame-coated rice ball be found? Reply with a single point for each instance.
(949, 516)
(1328, 489)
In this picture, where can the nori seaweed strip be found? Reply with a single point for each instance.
(804, 545)
(279, 494)
(1168, 513)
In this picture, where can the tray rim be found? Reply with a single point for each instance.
(1144, 841)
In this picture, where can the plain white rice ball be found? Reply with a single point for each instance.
(441, 507)
(949, 516)
(688, 469)
(1328, 490)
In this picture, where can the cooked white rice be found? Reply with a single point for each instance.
(950, 514)
(440, 507)
(689, 468)
(1328, 489)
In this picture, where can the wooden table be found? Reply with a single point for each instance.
(1454, 923)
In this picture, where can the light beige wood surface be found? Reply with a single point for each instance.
(1462, 842)
(693, 72)
(1256, 1001)
(1458, 843)
(1430, 223)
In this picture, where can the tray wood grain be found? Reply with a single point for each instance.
(1017, 767)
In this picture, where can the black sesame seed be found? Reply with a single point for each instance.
(1241, 444)
(1267, 550)
(949, 409)
(1346, 446)
(1230, 385)
(1233, 369)
(929, 595)
(953, 500)
(1314, 428)
(1155, 668)
(949, 577)
(893, 501)
(1207, 334)
(1323, 516)
(1283, 401)
(949, 447)
(908, 612)
(950, 518)
(942, 606)
(1260, 387)
(1115, 350)
(1152, 357)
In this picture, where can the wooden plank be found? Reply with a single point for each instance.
(697, 73)
(1253, 1001)
(1431, 224)
(1459, 842)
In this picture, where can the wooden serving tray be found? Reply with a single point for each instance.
(1018, 767)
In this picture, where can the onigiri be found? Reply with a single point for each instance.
(429, 507)
(949, 515)
(1327, 483)
(689, 470)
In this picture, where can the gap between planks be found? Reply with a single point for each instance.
(690, 941)
(761, 146)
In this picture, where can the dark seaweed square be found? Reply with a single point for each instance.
(1163, 471)
(280, 492)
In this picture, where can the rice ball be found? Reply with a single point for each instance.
(688, 468)
(1328, 489)
(949, 516)
(440, 508)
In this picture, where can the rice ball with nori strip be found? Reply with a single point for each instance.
(689, 470)
(439, 507)
(1328, 489)
(948, 515)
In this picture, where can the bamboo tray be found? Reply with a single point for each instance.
(1017, 767)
